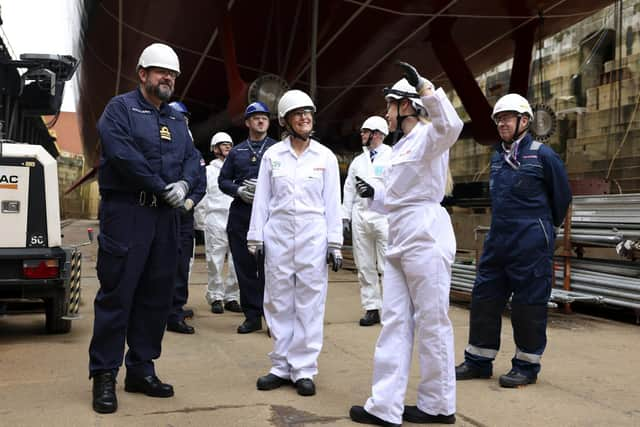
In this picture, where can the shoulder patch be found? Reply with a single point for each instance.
(535, 145)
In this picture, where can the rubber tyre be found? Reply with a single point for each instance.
(55, 308)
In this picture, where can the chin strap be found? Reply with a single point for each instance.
(398, 133)
(295, 134)
(368, 143)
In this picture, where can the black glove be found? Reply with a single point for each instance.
(364, 189)
(413, 77)
(334, 257)
(346, 225)
(256, 248)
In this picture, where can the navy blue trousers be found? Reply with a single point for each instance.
(185, 254)
(250, 274)
(136, 267)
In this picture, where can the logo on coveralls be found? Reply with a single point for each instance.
(9, 182)
(165, 133)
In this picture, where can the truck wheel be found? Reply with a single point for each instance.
(55, 308)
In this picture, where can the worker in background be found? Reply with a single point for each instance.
(421, 249)
(148, 165)
(369, 229)
(530, 195)
(176, 321)
(296, 227)
(238, 179)
(222, 286)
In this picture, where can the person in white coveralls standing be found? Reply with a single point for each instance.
(222, 288)
(420, 252)
(296, 224)
(369, 229)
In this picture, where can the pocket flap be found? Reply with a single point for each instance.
(112, 246)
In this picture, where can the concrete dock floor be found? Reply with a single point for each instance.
(590, 374)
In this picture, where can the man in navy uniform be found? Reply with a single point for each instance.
(238, 179)
(177, 315)
(148, 166)
(530, 195)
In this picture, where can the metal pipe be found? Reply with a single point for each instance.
(314, 51)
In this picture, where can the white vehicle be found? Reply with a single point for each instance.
(33, 262)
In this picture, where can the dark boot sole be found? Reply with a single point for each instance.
(135, 389)
(507, 384)
(473, 377)
(105, 410)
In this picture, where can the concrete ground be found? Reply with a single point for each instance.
(590, 374)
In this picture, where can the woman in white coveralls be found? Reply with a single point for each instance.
(420, 251)
(222, 289)
(296, 223)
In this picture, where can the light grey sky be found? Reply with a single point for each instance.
(42, 26)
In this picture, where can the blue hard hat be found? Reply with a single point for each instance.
(177, 105)
(256, 108)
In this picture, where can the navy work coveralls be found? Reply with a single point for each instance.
(143, 150)
(186, 235)
(243, 162)
(526, 204)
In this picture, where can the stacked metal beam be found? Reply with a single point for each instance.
(604, 220)
(595, 221)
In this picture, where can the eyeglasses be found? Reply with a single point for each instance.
(368, 131)
(302, 113)
(165, 72)
(503, 118)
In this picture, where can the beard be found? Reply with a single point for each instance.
(161, 91)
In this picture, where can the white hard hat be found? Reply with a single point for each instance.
(291, 100)
(221, 137)
(403, 89)
(512, 102)
(376, 123)
(161, 56)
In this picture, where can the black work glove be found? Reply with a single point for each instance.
(346, 225)
(364, 189)
(256, 248)
(413, 77)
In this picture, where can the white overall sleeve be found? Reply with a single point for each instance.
(445, 127)
(331, 196)
(261, 200)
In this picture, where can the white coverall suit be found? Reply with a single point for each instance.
(417, 276)
(214, 207)
(296, 213)
(369, 229)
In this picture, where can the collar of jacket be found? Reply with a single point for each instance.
(525, 142)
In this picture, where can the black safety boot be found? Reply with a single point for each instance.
(104, 393)
(216, 307)
(371, 317)
(271, 382)
(233, 306)
(466, 371)
(250, 326)
(515, 379)
(414, 415)
(180, 327)
(359, 415)
(149, 385)
(305, 387)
